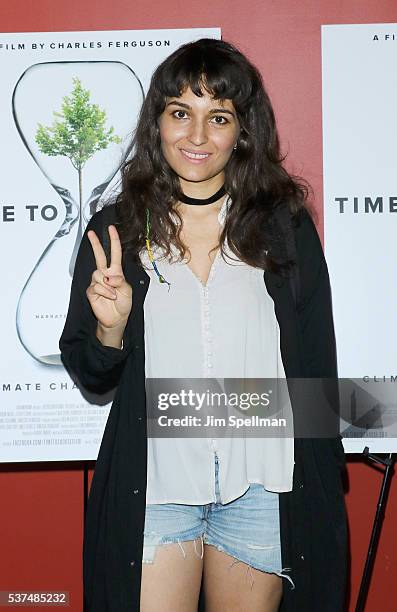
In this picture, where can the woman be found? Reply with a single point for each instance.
(215, 270)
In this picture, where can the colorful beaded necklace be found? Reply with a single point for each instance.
(149, 250)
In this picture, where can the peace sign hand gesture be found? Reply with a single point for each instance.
(109, 294)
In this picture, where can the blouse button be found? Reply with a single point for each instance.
(135, 491)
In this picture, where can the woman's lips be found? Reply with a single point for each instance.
(195, 158)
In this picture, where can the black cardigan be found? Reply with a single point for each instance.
(313, 524)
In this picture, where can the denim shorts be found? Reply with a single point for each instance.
(246, 528)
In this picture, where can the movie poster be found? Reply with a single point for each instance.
(53, 180)
(360, 220)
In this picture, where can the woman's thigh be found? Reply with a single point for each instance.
(232, 585)
(242, 556)
(172, 582)
(172, 560)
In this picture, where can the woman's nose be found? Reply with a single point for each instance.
(198, 133)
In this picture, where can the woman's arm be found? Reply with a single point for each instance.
(314, 304)
(315, 319)
(97, 367)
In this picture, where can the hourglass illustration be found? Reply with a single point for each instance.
(75, 119)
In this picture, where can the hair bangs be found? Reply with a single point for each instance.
(207, 70)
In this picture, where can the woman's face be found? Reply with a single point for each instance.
(197, 138)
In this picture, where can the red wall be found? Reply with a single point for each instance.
(41, 504)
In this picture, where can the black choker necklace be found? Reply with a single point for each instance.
(197, 201)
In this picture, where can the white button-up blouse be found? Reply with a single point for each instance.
(224, 329)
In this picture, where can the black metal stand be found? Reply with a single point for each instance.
(387, 475)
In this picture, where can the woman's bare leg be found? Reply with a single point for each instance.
(172, 582)
(234, 586)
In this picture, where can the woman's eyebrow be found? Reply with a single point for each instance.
(212, 111)
(179, 104)
(222, 110)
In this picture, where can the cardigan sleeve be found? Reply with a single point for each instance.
(314, 305)
(315, 320)
(97, 367)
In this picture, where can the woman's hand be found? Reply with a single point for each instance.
(109, 294)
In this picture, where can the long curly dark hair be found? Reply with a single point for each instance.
(255, 178)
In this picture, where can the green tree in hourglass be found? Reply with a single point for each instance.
(77, 132)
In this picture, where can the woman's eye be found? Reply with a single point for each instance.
(179, 114)
(220, 120)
